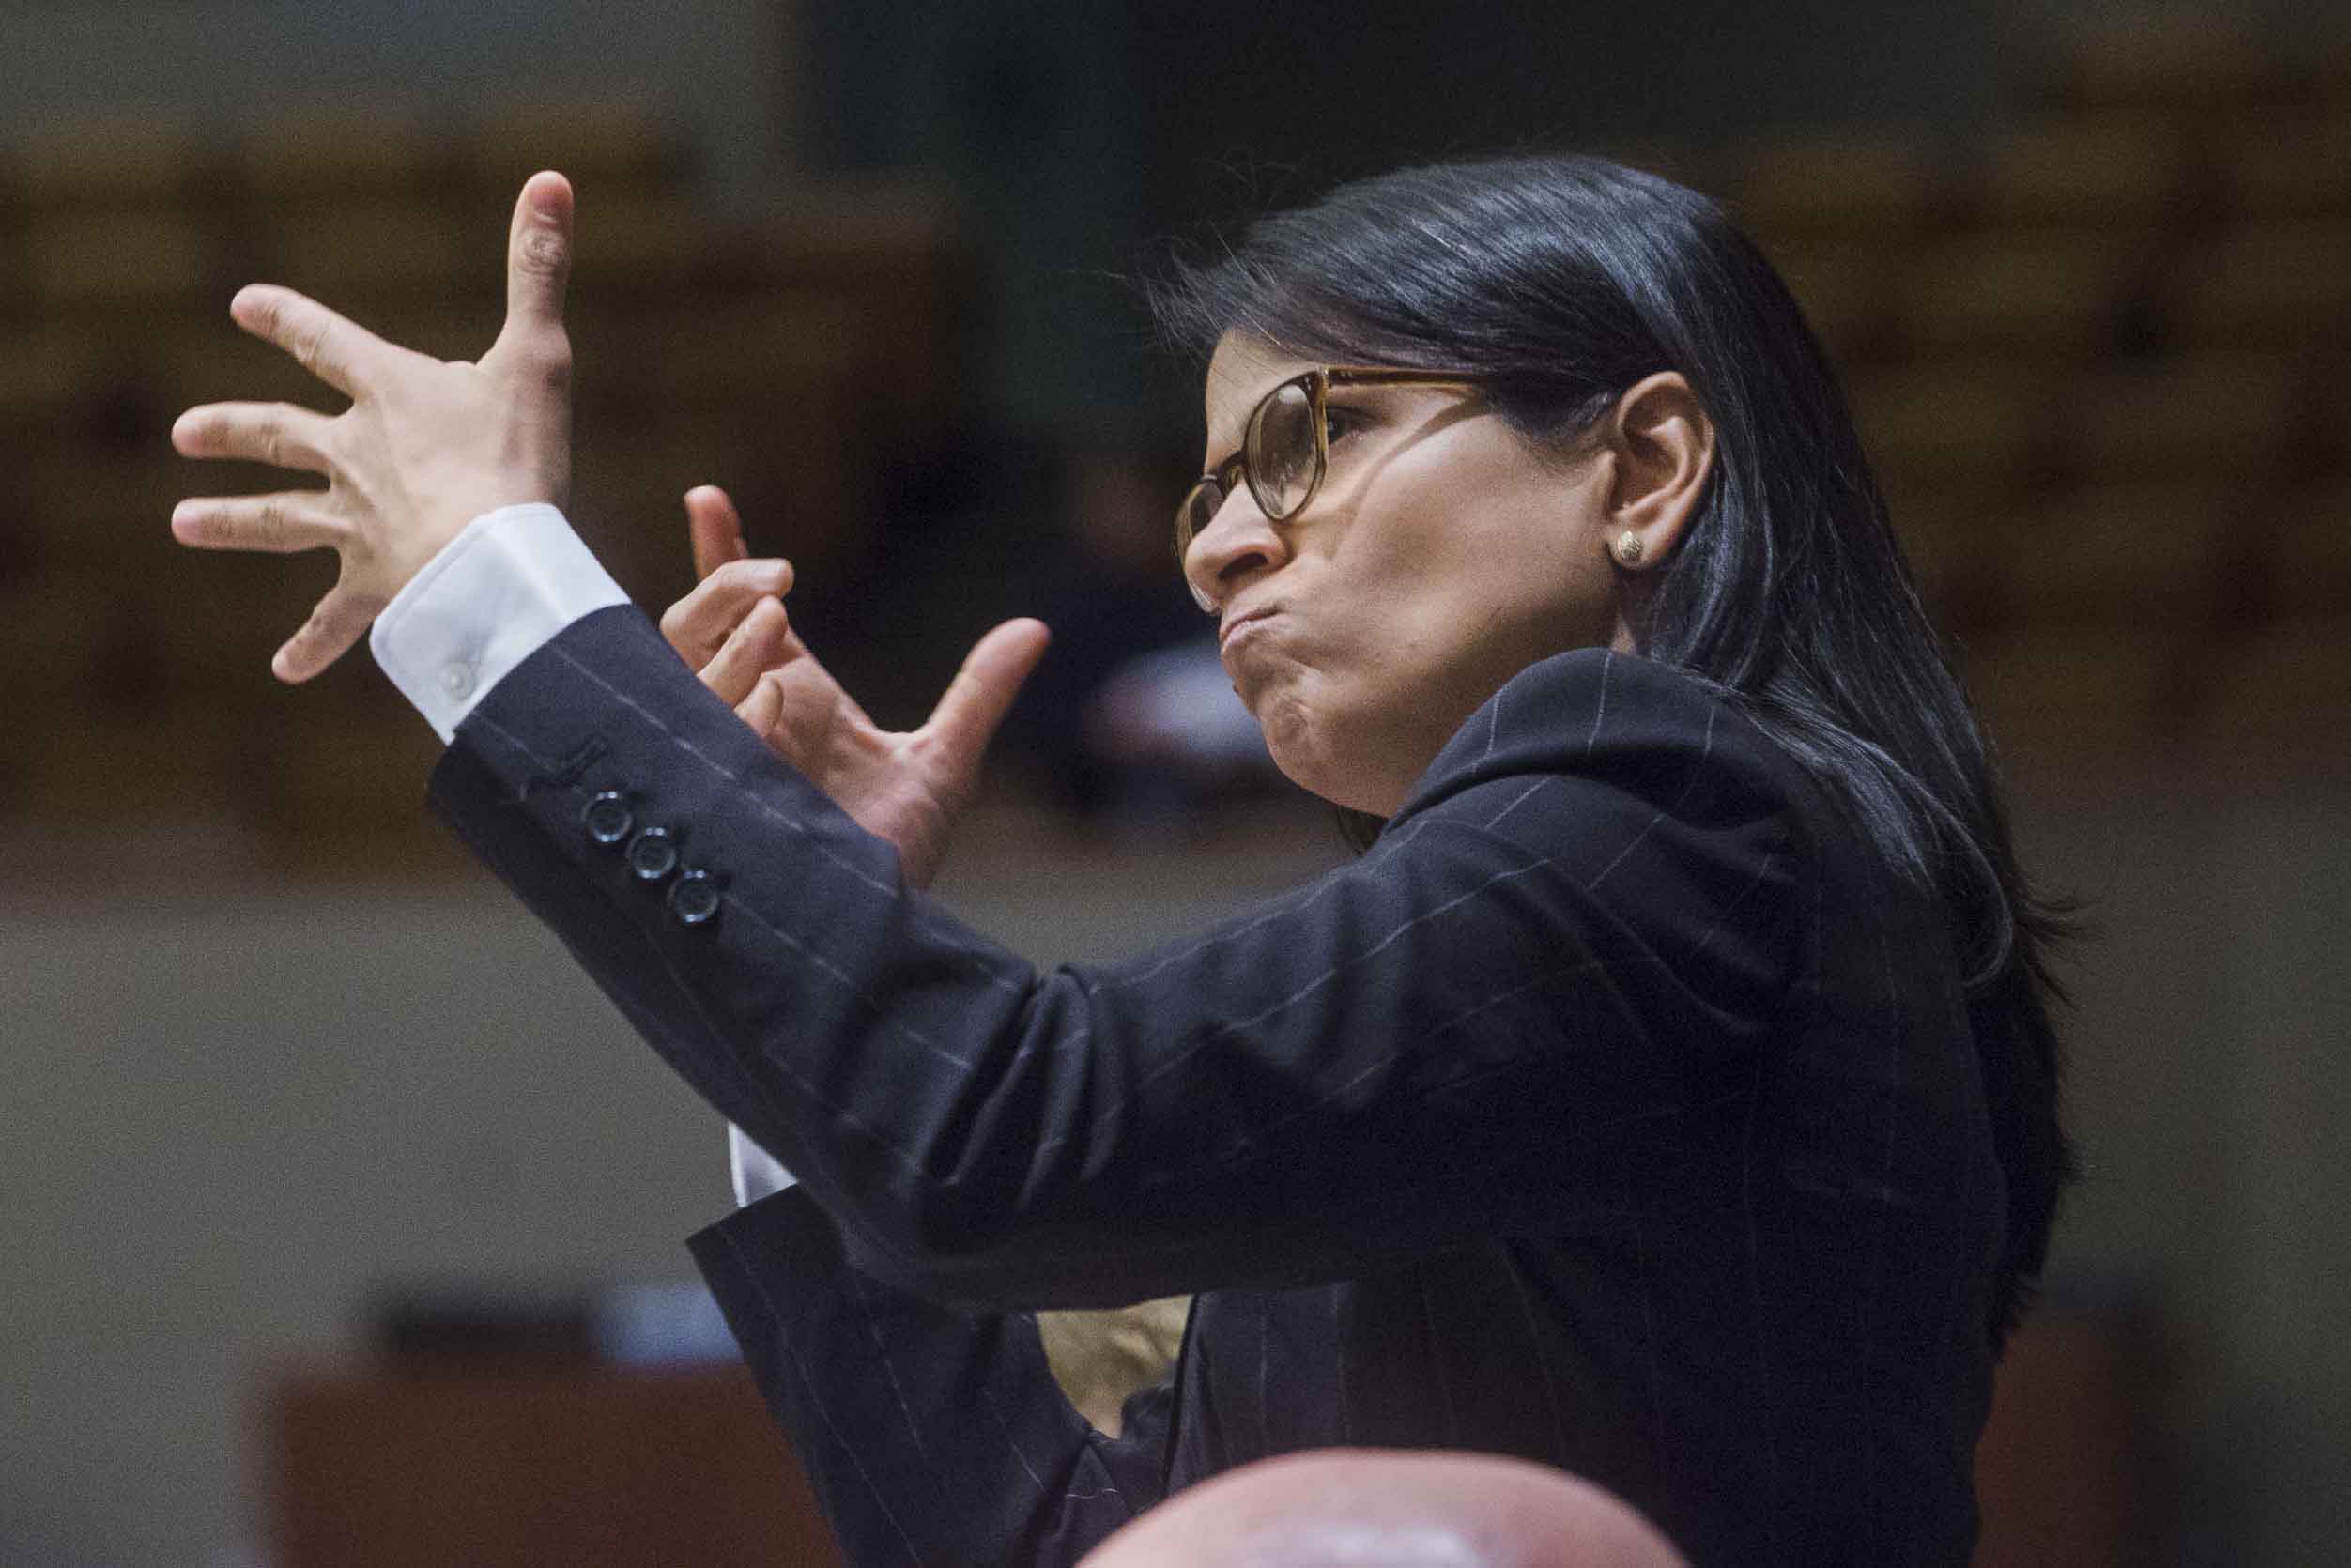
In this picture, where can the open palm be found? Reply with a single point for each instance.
(909, 787)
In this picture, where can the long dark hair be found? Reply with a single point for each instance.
(1564, 280)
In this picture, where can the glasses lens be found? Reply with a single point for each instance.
(1282, 451)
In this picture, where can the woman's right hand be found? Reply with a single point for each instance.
(909, 787)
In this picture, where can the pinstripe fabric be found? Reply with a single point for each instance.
(1615, 1111)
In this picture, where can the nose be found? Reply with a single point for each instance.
(1237, 545)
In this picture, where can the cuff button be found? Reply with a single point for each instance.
(653, 854)
(694, 898)
(607, 818)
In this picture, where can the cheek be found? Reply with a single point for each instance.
(1487, 601)
(1524, 577)
(1434, 600)
(1461, 535)
(1479, 601)
(1422, 592)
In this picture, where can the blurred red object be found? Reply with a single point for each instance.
(2079, 1464)
(493, 1467)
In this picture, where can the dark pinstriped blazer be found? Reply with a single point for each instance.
(1617, 1110)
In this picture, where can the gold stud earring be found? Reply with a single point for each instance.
(1628, 548)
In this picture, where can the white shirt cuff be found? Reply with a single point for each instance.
(756, 1172)
(491, 598)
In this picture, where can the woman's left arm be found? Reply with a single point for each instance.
(930, 1433)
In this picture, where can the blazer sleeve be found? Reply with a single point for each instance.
(1581, 921)
(930, 1434)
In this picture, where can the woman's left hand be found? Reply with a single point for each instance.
(424, 448)
(909, 787)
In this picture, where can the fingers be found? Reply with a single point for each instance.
(763, 708)
(538, 265)
(340, 621)
(714, 528)
(290, 520)
(339, 352)
(982, 691)
(279, 434)
(697, 624)
(758, 644)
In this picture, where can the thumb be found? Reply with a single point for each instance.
(538, 257)
(982, 691)
(714, 528)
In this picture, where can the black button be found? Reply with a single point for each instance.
(694, 898)
(654, 853)
(607, 817)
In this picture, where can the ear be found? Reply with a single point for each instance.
(1662, 441)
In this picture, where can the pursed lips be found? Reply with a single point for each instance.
(1233, 628)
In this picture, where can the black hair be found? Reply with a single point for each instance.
(1562, 280)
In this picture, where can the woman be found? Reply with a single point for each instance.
(1667, 1095)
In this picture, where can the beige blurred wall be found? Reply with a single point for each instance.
(2211, 1091)
(236, 1108)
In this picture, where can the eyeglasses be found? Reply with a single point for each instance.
(1285, 448)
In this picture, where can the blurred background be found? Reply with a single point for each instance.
(338, 1212)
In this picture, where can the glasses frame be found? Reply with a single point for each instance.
(1236, 468)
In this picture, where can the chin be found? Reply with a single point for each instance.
(1335, 773)
(1289, 740)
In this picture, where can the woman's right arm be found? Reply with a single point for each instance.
(1578, 930)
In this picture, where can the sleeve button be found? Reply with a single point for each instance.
(607, 818)
(694, 898)
(653, 854)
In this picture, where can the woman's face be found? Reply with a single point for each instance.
(1443, 554)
